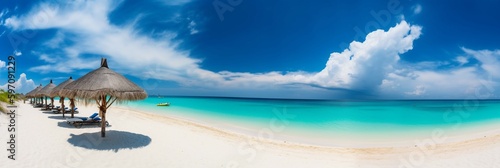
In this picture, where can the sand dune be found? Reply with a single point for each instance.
(140, 139)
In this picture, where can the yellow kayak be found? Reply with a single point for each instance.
(163, 104)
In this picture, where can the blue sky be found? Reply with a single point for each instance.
(323, 49)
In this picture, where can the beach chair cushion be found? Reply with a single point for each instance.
(90, 117)
(93, 115)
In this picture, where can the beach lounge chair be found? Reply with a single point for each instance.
(48, 106)
(71, 120)
(58, 109)
(90, 117)
(67, 110)
(91, 120)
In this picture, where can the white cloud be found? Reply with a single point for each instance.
(84, 16)
(56, 41)
(17, 53)
(417, 9)
(22, 84)
(462, 60)
(192, 28)
(490, 60)
(365, 64)
(419, 90)
(67, 66)
(474, 81)
(47, 58)
(2, 64)
(87, 21)
(174, 2)
(4, 12)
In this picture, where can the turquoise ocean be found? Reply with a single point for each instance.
(326, 120)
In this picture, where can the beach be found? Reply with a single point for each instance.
(143, 139)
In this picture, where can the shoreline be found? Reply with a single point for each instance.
(305, 137)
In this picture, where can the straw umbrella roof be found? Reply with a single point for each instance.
(56, 92)
(103, 81)
(45, 91)
(105, 86)
(58, 88)
(34, 91)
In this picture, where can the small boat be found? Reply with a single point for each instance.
(163, 104)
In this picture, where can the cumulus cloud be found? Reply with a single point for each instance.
(22, 84)
(361, 67)
(365, 64)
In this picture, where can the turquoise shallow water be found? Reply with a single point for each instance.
(328, 118)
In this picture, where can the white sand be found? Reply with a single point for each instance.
(139, 139)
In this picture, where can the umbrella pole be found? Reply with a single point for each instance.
(51, 102)
(62, 106)
(72, 104)
(103, 111)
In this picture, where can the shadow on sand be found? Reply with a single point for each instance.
(65, 124)
(114, 140)
(48, 112)
(59, 117)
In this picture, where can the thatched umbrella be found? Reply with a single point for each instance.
(105, 86)
(32, 94)
(45, 91)
(56, 92)
(28, 95)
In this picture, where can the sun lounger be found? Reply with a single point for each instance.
(47, 107)
(67, 110)
(59, 110)
(80, 121)
(90, 117)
